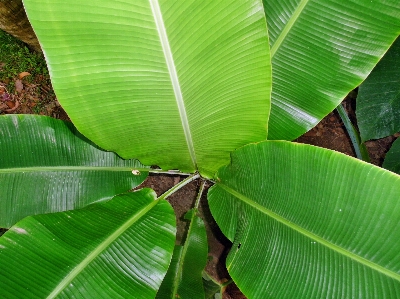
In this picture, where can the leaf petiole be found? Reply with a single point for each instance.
(179, 185)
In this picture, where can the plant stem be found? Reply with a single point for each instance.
(359, 147)
(226, 283)
(179, 185)
(199, 194)
(162, 171)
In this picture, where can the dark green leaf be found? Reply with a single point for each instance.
(212, 289)
(378, 100)
(392, 159)
(120, 248)
(47, 166)
(184, 277)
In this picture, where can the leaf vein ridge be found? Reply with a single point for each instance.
(156, 10)
(72, 168)
(309, 234)
(288, 26)
(99, 249)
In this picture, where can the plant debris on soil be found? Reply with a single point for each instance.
(25, 85)
(25, 88)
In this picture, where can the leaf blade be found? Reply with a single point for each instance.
(93, 255)
(391, 161)
(295, 259)
(223, 68)
(184, 276)
(378, 99)
(321, 51)
(155, 7)
(49, 161)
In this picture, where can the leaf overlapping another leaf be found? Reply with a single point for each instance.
(169, 81)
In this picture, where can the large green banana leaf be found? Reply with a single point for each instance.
(120, 248)
(167, 82)
(320, 51)
(378, 99)
(47, 166)
(307, 222)
(184, 277)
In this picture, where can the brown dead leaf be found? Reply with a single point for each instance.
(16, 105)
(10, 104)
(18, 85)
(23, 74)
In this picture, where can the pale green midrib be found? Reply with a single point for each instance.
(155, 7)
(99, 249)
(310, 235)
(70, 168)
(178, 186)
(288, 26)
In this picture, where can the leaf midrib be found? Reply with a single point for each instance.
(99, 249)
(309, 234)
(288, 27)
(157, 14)
(70, 168)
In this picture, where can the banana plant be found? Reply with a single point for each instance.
(215, 90)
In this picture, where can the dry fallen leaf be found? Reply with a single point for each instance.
(13, 108)
(23, 74)
(18, 85)
(10, 104)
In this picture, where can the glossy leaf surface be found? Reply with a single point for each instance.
(321, 50)
(378, 100)
(392, 158)
(184, 277)
(169, 81)
(325, 223)
(47, 166)
(120, 248)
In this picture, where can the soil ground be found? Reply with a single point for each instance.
(34, 94)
